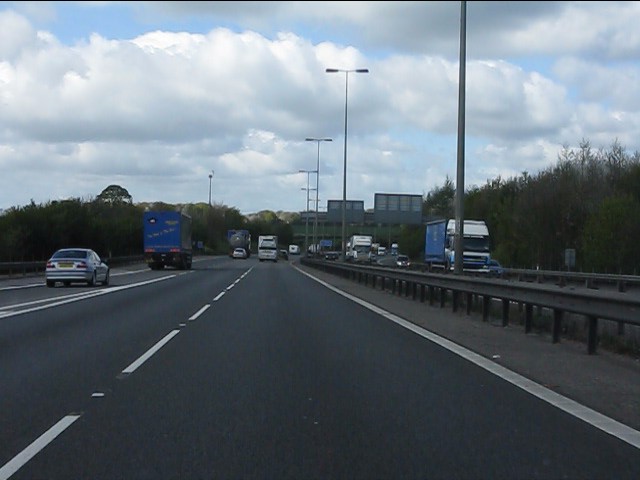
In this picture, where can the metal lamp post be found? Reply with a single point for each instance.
(344, 175)
(210, 178)
(306, 225)
(315, 220)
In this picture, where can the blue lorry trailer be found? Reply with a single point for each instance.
(167, 240)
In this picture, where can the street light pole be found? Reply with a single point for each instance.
(315, 222)
(210, 178)
(306, 225)
(344, 174)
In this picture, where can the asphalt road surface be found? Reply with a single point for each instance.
(241, 369)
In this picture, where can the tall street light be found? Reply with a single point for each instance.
(344, 174)
(210, 178)
(315, 221)
(306, 225)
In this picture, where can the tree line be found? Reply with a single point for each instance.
(111, 224)
(588, 202)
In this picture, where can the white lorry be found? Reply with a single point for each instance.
(268, 248)
(440, 245)
(359, 248)
(294, 250)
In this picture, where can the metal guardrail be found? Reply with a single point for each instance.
(593, 304)
(21, 269)
(589, 280)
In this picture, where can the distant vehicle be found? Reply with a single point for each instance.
(495, 269)
(239, 253)
(268, 248)
(294, 250)
(394, 249)
(331, 255)
(239, 239)
(402, 261)
(359, 248)
(382, 251)
(284, 254)
(74, 265)
(167, 240)
(439, 250)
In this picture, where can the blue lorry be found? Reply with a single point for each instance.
(167, 240)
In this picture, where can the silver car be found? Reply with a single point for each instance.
(69, 265)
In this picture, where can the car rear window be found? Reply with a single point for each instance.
(70, 254)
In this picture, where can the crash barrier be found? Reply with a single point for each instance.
(460, 290)
(22, 269)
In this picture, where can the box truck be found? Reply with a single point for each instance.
(439, 249)
(167, 240)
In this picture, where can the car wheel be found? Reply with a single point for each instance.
(51, 283)
(92, 282)
(106, 279)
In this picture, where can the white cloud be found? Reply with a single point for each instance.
(157, 110)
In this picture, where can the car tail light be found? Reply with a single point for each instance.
(49, 265)
(82, 265)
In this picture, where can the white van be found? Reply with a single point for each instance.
(294, 250)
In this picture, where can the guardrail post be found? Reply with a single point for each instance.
(557, 323)
(469, 302)
(422, 292)
(455, 295)
(592, 339)
(486, 307)
(394, 283)
(443, 297)
(432, 294)
(505, 312)
(528, 317)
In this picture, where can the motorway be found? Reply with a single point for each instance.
(241, 369)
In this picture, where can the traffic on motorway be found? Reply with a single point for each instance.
(264, 370)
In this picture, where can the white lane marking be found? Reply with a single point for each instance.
(17, 462)
(219, 296)
(146, 356)
(45, 300)
(199, 312)
(75, 297)
(20, 287)
(42, 282)
(236, 281)
(596, 419)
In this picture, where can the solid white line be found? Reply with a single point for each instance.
(596, 419)
(76, 297)
(131, 368)
(199, 312)
(32, 450)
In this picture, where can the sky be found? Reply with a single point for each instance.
(179, 101)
